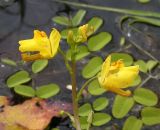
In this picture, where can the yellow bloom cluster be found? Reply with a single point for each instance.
(40, 47)
(115, 76)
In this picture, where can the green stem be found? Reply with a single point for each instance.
(74, 93)
(84, 86)
(65, 59)
(111, 9)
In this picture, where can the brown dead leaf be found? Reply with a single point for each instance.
(34, 114)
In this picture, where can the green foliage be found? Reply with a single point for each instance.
(142, 65)
(62, 20)
(132, 123)
(151, 64)
(96, 23)
(64, 32)
(150, 115)
(100, 119)
(8, 62)
(121, 106)
(127, 59)
(137, 81)
(39, 65)
(18, 78)
(145, 97)
(100, 103)
(24, 90)
(97, 42)
(92, 67)
(84, 123)
(143, 1)
(94, 88)
(77, 19)
(82, 51)
(85, 109)
(47, 91)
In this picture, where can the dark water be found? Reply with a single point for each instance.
(18, 19)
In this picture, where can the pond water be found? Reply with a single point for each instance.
(20, 18)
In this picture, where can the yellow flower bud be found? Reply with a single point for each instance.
(83, 32)
(40, 47)
(115, 77)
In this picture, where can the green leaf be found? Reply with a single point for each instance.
(47, 91)
(84, 123)
(151, 64)
(145, 97)
(132, 123)
(94, 88)
(62, 20)
(18, 78)
(77, 19)
(127, 59)
(82, 51)
(8, 62)
(137, 81)
(85, 109)
(64, 32)
(121, 106)
(39, 65)
(92, 67)
(24, 90)
(142, 65)
(143, 1)
(100, 103)
(97, 42)
(100, 119)
(150, 115)
(96, 23)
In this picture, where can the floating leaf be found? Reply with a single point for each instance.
(94, 88)
(143, 1)
(92, 67)
(84, 123)
(18, 78)
(62, 20)
(127, 59)
(100, 103)
(47, 91)
(25, 90)
(121, 106)
(82, 51)
(85, 109)
(97, 42)
(142, 65)
(64, 32)
(145, 97)
(137, 81)
(77, 19)
(34, 114)
(150, 115)
(132, 123)
(96, 23)
(100, 119)
(151, 64)
(39, 65)
(8, 62)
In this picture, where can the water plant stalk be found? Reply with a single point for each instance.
(111, 9)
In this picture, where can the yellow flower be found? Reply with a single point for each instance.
(114, 77)
(40, 47)
(81, 35)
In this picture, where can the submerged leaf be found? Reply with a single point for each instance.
(76, 20)
(62, 20)
(34, 114)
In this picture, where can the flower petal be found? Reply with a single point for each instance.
(120, 91)
(54, 41)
